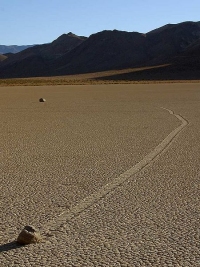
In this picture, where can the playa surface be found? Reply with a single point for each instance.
(109, 173)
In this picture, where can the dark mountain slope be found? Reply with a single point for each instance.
(31, 66)
(171, 40)
(35, 61)
(103, 51)
(64, 44)
(8, 54)
(186, 66)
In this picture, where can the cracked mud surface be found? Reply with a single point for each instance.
(55, 154)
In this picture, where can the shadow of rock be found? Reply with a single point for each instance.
(9, 246)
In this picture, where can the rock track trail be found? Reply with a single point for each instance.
(108, 188)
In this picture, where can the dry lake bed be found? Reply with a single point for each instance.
(109, 174)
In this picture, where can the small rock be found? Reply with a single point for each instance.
(29, 235)
(42, 100)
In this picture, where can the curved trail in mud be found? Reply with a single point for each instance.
(108, 188)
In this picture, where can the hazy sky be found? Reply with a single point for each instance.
(42, 21)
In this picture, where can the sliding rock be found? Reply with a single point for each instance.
(42, 100)
(29, 235)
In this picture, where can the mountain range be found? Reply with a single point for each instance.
(175, 47)
(4, 49)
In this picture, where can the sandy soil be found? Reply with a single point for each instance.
(58, 153)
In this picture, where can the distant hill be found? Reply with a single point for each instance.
(13, 48)
(175, 44)
(171, 40)
(103, 51)
(37, 61)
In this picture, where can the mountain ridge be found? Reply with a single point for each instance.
(175, 44)
(13, 48)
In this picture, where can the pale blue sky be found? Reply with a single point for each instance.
(42, 21)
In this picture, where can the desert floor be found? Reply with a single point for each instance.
(110, 174)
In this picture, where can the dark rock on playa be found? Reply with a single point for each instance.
(42, 100)
(29, 235)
